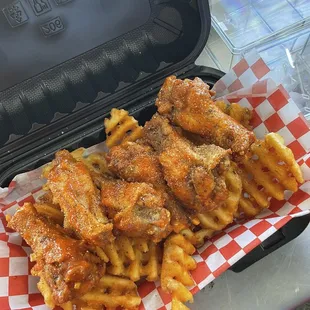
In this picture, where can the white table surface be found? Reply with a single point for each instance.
(280, 281)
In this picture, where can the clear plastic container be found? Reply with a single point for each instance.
(244, 24)
(288, 57)
(219, 52)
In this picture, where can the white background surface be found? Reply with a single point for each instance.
(279, 281)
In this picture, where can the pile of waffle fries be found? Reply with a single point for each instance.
(264, 171)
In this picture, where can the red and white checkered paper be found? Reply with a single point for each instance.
(249, 84)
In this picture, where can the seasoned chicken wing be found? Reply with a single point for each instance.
(136, 162)
(73, 189)
(136, 208)
(66, 265)
(195, 174)
(189, 105)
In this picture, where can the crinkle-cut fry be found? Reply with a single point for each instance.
(100, 253)
(248, 207)
(177, 305)
(95, 162)
(121, 127)
(68, 306)
(78, 154)
(197, 237)
(284, 153)
(112, 292)
(46, 293)
(133, 258)
(151, 262)
(117, 257)
(50, 211)
(219, 218)
(267, 171)
(241, 114)
(141, 244)
(177, 262)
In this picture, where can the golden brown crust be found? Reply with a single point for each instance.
(60, 260)
(193, 173)
(138, 210)
(73, 189)
(189, 104)
(136, 162)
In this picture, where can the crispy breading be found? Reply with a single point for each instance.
(188, 104)
(241, 114)
(195, 174)
(177, 262)
(57, 256)
(73, 189)
(136, 162)
(138, 210)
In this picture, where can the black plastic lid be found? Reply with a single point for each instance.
(63, 60)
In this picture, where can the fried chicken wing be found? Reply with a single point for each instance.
(136, 162)
(66, 265)
(138, 210)
(189, 105)
(195, 174)
(73, 189)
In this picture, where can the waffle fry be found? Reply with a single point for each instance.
(46, 293)
(196, 236)
(121, 127)
(286, 155)
(112, 292)
(207, 224)
(133, 258)
(177, 305)
(177, 263)
(95, 162)
(267, 171)
(50, 211)
(242, 115)
(219, 218)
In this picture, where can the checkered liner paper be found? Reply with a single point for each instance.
(249, 84)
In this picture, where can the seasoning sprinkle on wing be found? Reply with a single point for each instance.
(62, 262)
(138, 209)
(189, 105)
(73, 189)
(136, 162)
(194, 174)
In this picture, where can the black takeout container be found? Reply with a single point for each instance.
(65, 64)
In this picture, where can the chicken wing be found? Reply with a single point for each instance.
(135, 162)
(66, 265)
(189, 105)
(195, 174)
(138, 210)
(73, 189)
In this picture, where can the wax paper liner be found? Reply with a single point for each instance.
(249, 84)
